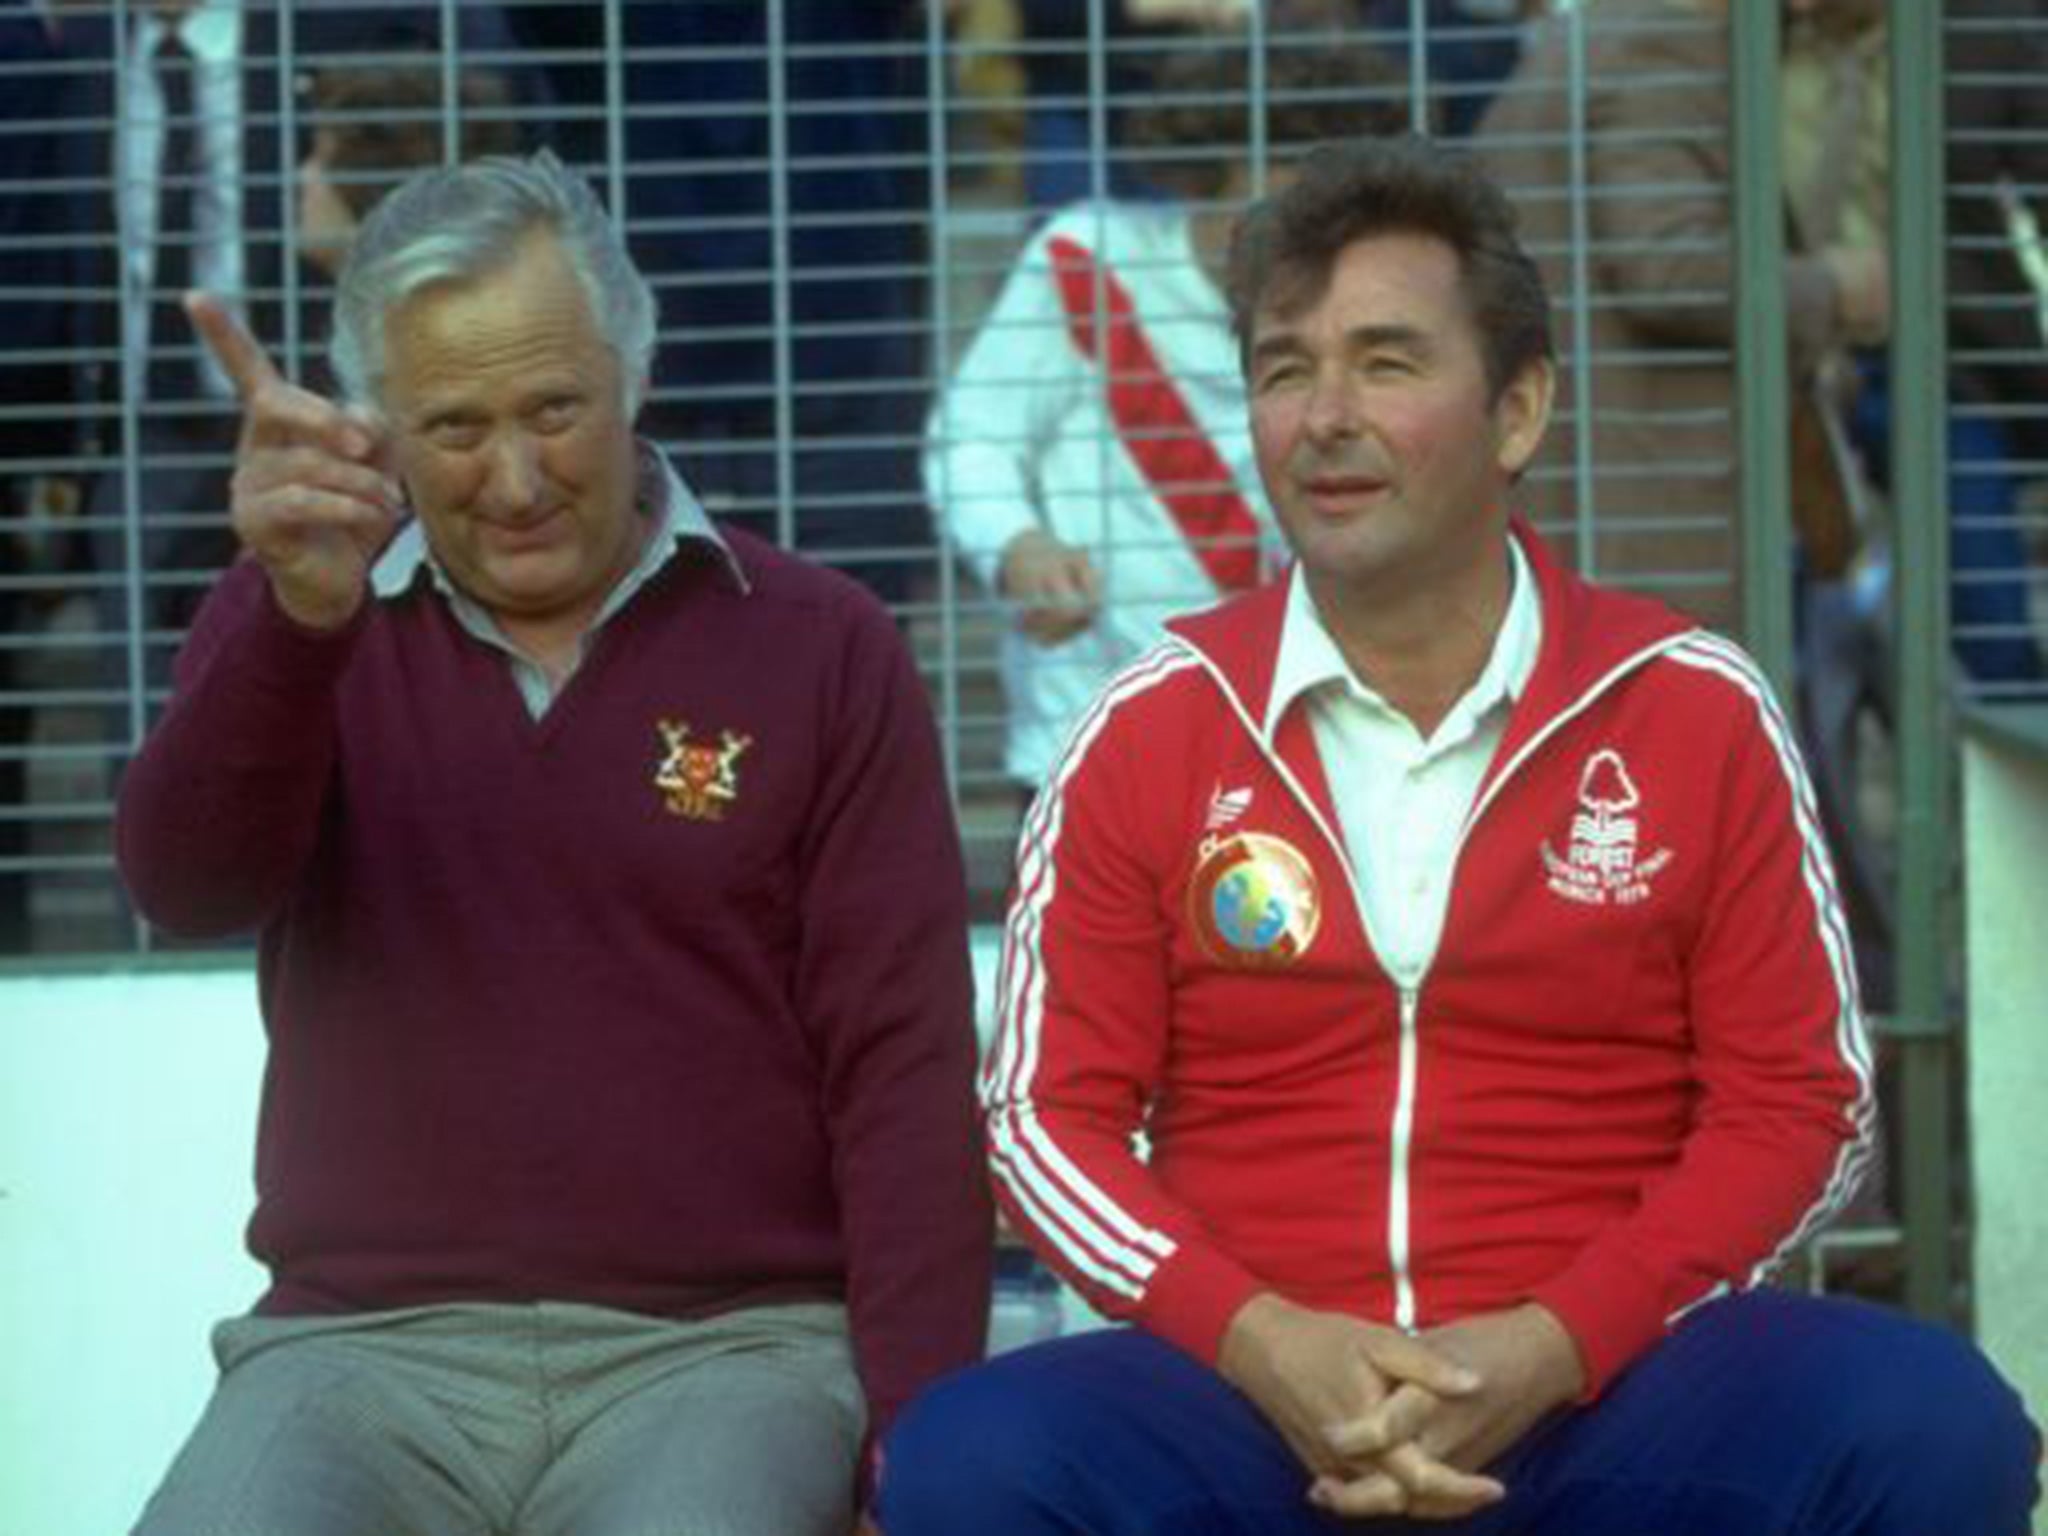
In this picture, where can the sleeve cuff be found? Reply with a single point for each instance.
(1611, 1314)
(1193, 1298)
(282, 623)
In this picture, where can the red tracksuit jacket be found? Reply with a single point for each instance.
(1633, 1078)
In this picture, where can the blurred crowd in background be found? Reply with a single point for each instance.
(940, 304)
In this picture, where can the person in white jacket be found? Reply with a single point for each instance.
(1089, 458)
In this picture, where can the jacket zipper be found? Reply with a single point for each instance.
(1399, 1257)
(1397, 1163)
(1399, 1224)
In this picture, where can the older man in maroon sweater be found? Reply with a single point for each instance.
(616, 1171)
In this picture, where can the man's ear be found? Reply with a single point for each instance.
(1521, 416)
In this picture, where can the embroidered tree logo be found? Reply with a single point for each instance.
(1601, 864)
(1603, 834)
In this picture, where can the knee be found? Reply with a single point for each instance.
(973, 1452)
(1936, 1415)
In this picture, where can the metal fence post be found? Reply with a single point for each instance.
(1919, 471)
(1763, 395)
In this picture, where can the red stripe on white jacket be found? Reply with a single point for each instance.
(1620, 1107)
(1155, 422)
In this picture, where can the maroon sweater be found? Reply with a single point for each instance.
(538, 1033)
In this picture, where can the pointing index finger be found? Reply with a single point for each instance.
(247, 364)
(277, 413)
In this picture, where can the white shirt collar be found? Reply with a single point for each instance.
(1310, 659)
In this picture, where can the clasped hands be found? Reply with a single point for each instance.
(1389, 1424)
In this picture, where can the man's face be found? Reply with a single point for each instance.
(514, 439)
(1385, 461)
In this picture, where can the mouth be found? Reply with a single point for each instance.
(1335, 496)
(520, 535)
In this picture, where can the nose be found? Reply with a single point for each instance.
(513, 480)
(1335, 409)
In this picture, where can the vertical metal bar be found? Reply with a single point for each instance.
(1098, 101)
(1763, 470)
(938, 253)
(292, 343)
(615, 110)
(451, 83)
(1257, 151)
(1919, 452)
(1586, 507)
(776, 67)
(132, 375)
(1418, 65)
(128, 377)
(1101, 189)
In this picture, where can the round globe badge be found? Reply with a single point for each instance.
(1254, 901)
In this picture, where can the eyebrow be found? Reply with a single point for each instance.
(436, 413)
(1364, 338)
(1266, 348)
(1402, 338)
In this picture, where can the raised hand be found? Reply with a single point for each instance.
(313, 499)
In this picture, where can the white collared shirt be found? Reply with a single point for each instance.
(1402, 801)
(212, 33)
(669, 505)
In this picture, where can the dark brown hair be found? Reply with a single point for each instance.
(386, 122)
(1195, 119)
(1287, 245)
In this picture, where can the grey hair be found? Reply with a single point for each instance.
(456, 223)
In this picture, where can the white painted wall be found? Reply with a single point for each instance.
(127, 1137)
(2005, 859)
(127, 1127)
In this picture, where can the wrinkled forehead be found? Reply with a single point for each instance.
(521, 324)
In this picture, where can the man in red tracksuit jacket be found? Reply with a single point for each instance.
(1426, 1012)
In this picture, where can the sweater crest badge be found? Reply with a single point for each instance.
(699, 780)
(1603, 861)
(1253, 901)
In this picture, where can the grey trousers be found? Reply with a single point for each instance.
(545, 1420)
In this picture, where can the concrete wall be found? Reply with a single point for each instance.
(2005, 856)
(127, 1119)
(127, 1129)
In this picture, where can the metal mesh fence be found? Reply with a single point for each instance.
(915, 263)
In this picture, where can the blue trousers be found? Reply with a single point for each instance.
(1767, 1414)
